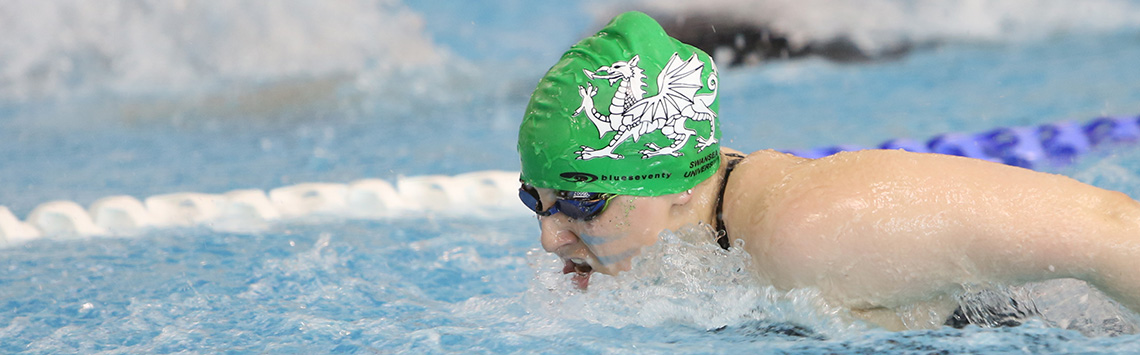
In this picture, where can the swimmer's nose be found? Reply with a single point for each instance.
(555, 235)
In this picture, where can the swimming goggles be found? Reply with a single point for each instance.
(576, 205)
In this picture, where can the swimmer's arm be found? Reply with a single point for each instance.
(888, 227)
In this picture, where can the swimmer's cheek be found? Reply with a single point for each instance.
(614, 253)
(618, 262)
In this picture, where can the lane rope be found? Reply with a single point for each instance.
(493, 193)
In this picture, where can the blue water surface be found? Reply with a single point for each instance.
(441, 284)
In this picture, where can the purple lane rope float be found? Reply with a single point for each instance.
(1030, 147)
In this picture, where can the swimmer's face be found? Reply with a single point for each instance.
(610, 240)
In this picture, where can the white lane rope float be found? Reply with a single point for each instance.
(493, 192)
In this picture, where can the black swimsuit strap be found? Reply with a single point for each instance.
(721, 229)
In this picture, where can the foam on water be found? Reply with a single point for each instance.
(683, 279)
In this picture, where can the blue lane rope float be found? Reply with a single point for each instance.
(1029, 147)
(495, 192)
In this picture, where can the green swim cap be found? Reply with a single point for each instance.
(629, 110)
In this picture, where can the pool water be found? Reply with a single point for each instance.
(149, 98)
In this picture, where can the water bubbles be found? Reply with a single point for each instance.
(685, 279)
(86, 310)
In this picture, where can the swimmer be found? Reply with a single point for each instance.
(620, 142)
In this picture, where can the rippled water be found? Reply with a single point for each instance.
(144, 98)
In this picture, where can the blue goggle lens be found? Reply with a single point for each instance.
(583, 206)
(529, 197)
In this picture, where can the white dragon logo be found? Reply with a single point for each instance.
(634, 115)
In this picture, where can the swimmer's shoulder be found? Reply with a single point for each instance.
(766, 167)
(762, 168)
(769, 160)
(874, 158)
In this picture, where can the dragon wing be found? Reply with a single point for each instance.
(676, 87)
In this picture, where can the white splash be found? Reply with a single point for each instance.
(683, 279)
(51, 48)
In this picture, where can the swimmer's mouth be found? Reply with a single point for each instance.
(581, 271)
